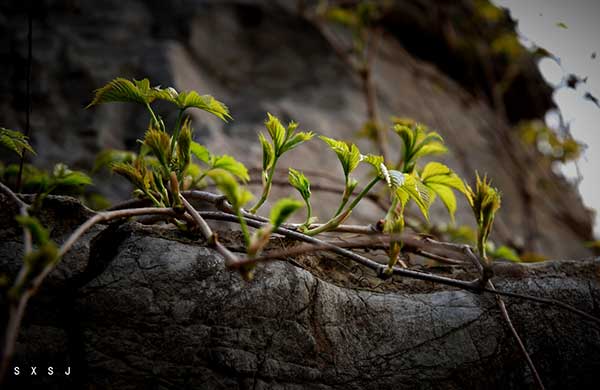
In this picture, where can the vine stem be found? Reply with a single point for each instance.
(266, 188)
(208, 234)
(483, 266)
(337, 220)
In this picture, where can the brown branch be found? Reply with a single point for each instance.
(212, 238)
(472, 286)
(515, 334)
(373, 265)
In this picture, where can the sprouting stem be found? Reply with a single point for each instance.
(176, 130)
(338, 219)
(266, 188)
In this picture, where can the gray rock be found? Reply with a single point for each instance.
(149, 307)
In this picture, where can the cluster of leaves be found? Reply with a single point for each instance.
(60, 180)
(283, 139)
(163, 155)
(549, 142)
(164, 166)
(358, 17)
(15, 141)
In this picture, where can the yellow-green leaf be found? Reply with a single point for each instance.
(15, 141)
(226, 183)
(231, 165)
(282, 210)
(268, 152)
(276, 131)
(123, 90)
(300, 183)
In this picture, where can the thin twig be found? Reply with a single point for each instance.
(373, 265)
(212, 238)
(515, 334)
(472, 286)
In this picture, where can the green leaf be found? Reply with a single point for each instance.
(123, 90)
(131, 173)
(184, 144)
(226, 183)
(377, 163)
(268, 152)
(347, 153)
(231, 165)
(277, 133)
(343, 16)
(200, 152)
(15, 141)
(63, 176)
(191, 99)
(160, 145)
(300, 183)
(412, 188)
(110, 156)
(485, 201)
(417, 142)
(504, 252)
(393, 178)
(441, 180)
(282, 210)
(295, 140)
(39, 233)
(446, 196)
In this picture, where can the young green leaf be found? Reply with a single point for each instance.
(231, 165)
(123, 90)
(441, 180)
(184, 144)
(226, 183)
(377, 163)
(160, 145)
(110, 156)
(200, 152)
(15, 141)
(276, 131)
(504, 252)
(192, 99)
(46, 254)
(300, 183)
(268, 152)
(282, 210)
(485, 201)
(347, 153)
(63, 176)
(295, 139)
(417, 142)
(412, 188)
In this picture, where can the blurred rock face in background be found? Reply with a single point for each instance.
(259, 56)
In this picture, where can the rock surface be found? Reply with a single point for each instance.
(260, 56)
(147, 307)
